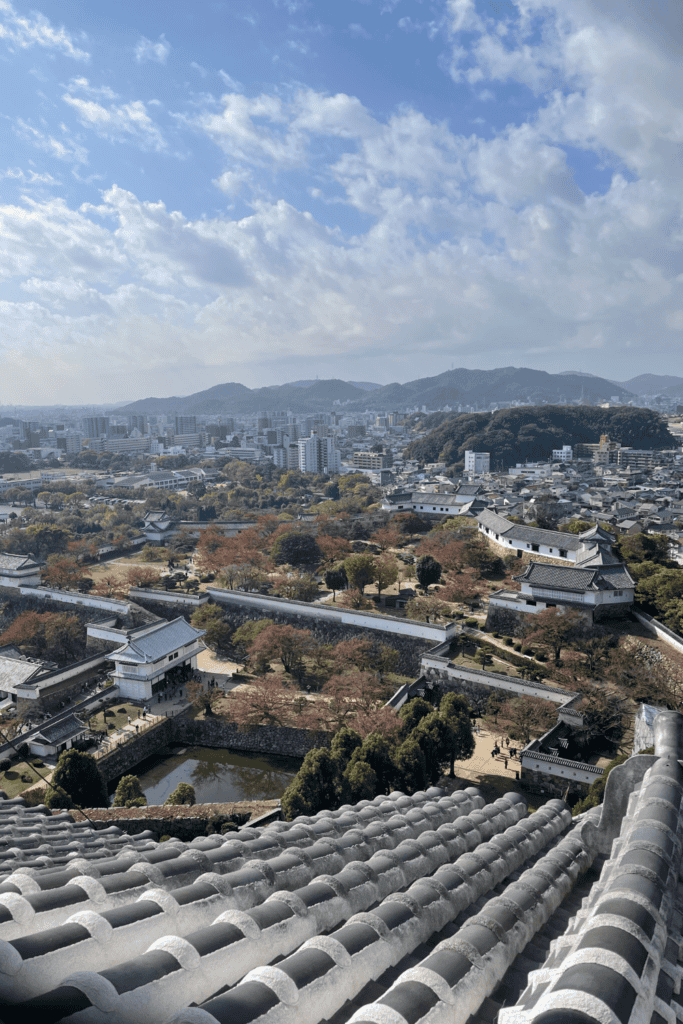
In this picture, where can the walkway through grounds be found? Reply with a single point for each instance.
(481, 762)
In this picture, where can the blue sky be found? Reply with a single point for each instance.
(264, 190)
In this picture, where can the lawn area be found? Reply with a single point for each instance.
(117, 713)
(20, 776)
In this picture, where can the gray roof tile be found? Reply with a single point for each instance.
(14, 672)
(162, 639)
(11, 563)
(576, 579)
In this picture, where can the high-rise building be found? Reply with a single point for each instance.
(138, 423)
(186, 424)
(318, 455)
(96, 426)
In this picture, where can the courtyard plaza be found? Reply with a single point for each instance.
(481, 762)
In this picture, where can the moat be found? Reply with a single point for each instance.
(218, 775)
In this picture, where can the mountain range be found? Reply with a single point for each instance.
(655, 384)
(478, 388)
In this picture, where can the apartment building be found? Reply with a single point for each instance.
(318, 455)
(372, 460)
(477, 462)
(186, 425)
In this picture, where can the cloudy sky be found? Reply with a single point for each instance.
(265, 190)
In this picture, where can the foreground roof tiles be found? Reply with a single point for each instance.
(404, 910)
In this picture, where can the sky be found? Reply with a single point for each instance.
(377, 190)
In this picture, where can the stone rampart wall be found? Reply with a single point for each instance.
(215, 732)
(209, 732)
(659, 629)
(410, 649)
(124, 757)
(165, 597)
(335, 614)
(439, 671)
(526, 556)
(70, 597)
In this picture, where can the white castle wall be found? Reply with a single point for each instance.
(339, 616)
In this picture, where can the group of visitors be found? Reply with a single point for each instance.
(510, 751)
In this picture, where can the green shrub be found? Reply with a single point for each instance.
(541, 656)
(129, 793)
(182, 794)
(529, 651)
(472, 622)
(595, 794)
(508, 641)
(518, 647)
(22, 750)
(33, 797)
(5, 763)
(37, 763)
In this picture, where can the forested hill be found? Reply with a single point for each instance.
(531, 432)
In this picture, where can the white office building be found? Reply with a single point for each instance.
(477, 462)
(563, 454)
(318, 455)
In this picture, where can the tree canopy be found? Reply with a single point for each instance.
(129, 793)
(77, 776)
(532, 432)
(296, 548)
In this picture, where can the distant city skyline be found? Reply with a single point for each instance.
(263, 191)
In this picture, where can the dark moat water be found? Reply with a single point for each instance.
(217, 775)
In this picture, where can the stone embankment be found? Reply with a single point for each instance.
(179, 822)
(209, 732)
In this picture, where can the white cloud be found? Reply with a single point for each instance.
(230, 82)
(197, 67)
(63, 149)
(123, 123)
(36, 30)
(27, 177)
(482, 247)
(231, 182)
(82, 84)
(357, 30)
(158, 52)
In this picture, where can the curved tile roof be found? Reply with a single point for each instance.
(414, 909)
(158, 641)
